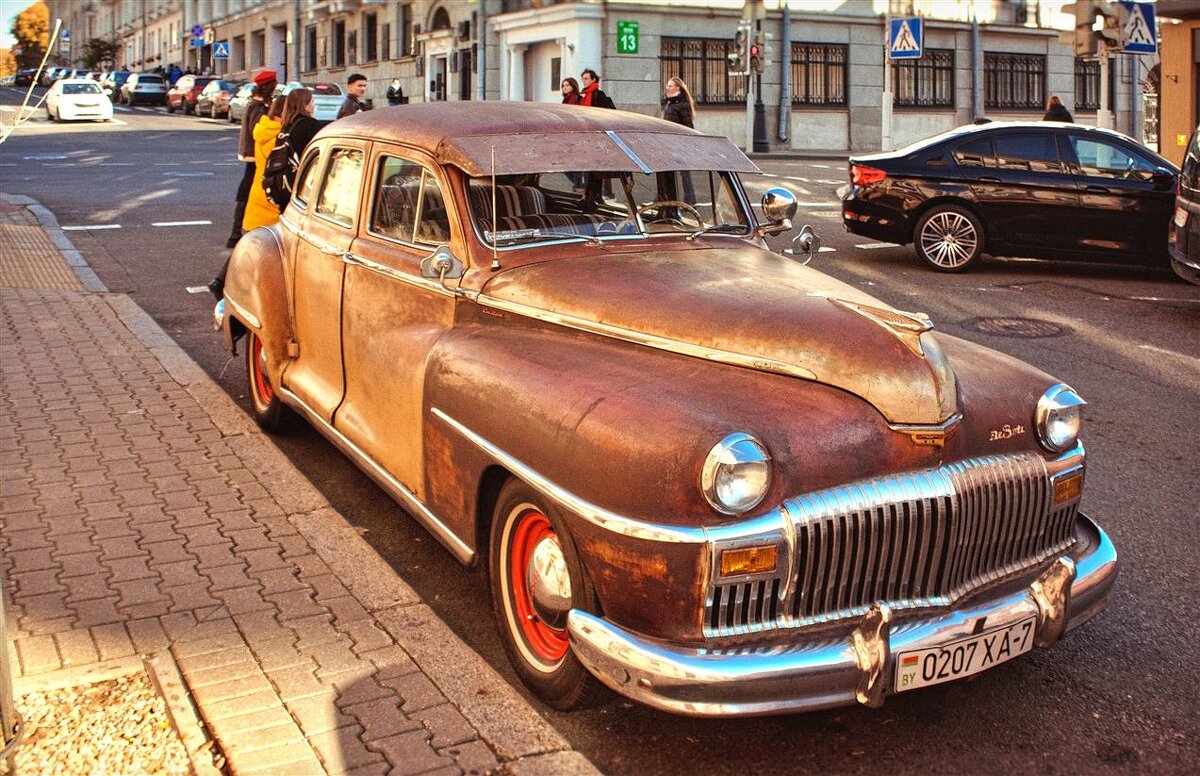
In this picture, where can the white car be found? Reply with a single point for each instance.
(327, 98)
(75, 99)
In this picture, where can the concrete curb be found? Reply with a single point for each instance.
(523, 741)
(74, 258)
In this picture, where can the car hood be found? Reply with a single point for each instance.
(746, 307)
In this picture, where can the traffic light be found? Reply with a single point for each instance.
(756, 54)
(737, 60)
(1090, 38)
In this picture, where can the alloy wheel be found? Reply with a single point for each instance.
(949, 239)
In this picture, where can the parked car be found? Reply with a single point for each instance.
(214, 98)
(1043, 190)
(74, 99)
(52, 74)
(1184, 237)
(150, 88)
(186, 91)
(25, 76)
(327, 98)
(111, 83)
(714, 479)
(237, 103)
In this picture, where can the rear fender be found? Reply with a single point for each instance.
(256, 296)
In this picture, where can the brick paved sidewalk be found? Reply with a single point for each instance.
(142, 513)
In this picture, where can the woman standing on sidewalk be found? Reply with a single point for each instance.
(264, 88)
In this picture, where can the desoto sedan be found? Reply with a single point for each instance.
(708, 476)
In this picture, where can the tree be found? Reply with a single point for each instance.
(8, 64)
(99, 54)
(31, 28)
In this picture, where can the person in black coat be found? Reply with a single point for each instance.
(680, 107)
(1056, 111)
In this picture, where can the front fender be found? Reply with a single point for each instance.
(256, 295)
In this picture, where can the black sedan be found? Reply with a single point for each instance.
(1043, 190)
(1185, 225)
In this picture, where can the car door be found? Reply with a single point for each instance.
(325, 233)
(1126, 199)
(1023, 189)
(392, 316)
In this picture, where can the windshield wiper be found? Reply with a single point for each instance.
(590, 238)
(714, 228)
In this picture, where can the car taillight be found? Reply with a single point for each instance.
(861, 175)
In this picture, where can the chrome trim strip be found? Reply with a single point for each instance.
(392, 273)
(628, 152)
(394, 488)
(620, 524)
(650, 340)
(945, 425)
(247, 317)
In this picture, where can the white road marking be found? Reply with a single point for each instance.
(186, 174)
(44, 157)
(197, 289)
(86, 227)
(830, 183)
(181, 223)
(228, 164)
(115, 164)
(1166, 352)
(873, 246)
(817, 204)
(821, 166)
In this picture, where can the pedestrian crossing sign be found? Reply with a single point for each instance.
(906, 38)
(221, 50)
(1138, 34)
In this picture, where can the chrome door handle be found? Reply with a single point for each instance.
(1097, 189)
(989, 179)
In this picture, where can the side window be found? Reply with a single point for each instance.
(1101, 159)
(339, 191)
(976, 153)
(1190, 171)
(307, 180)
(408, 203)
(1035, 152)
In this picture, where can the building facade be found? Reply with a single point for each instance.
(822, 82)
(1179, 80)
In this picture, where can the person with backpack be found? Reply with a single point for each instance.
(264, 87)
(591, 94)
(260, 211)
(298, 128)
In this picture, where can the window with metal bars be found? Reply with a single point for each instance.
(819, 74)
(1087, 85)
(1014, 81)
(924, 82)
(702, 64)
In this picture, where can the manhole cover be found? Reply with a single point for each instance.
(1016, 327)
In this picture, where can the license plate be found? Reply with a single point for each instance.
(1181, 215)
(925, 667)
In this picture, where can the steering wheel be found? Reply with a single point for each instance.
(659, 204)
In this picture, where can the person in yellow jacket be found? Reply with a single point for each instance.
(259, 210)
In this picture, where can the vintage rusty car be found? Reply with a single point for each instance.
(701, 472)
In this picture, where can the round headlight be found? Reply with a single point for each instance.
(736, 474)
(1058, 418)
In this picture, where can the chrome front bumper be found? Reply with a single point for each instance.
(833, 670)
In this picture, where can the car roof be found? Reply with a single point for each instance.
(969, 130)
(77, 81)
(522, 134)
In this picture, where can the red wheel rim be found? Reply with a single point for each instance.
(262, 388)
(547, 643)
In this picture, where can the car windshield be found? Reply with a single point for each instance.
(80, 89)
(533, 208)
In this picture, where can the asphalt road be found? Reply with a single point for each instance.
(1118, 695)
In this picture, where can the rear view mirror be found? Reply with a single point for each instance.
(779, 208)
(805, 245)
(441, 264)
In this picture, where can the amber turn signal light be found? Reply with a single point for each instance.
(748, 560)
(1068, 488)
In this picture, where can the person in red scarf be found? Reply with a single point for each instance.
(591, 94)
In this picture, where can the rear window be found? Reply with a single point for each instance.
(325, 89)
(975, 153)
(1032, 151)
(203, 81)
(149, 79)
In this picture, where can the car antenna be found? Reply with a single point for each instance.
(495, 258)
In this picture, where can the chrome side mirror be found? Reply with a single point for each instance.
(779, 208)
(441, 264)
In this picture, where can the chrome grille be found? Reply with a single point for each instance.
(913, 540)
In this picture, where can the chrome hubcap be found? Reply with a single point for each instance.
(949, 239)
(549, 583)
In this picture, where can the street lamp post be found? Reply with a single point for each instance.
(760, 110)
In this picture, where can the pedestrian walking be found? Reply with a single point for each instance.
(264, 88)
(173, 74)
(395, 93)
(680, 108)
(1056, 111)
(591, 94)
(356, 87)
(283, 160)
(570, 91)
(260, 211)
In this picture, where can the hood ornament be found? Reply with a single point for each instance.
(904, 326)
